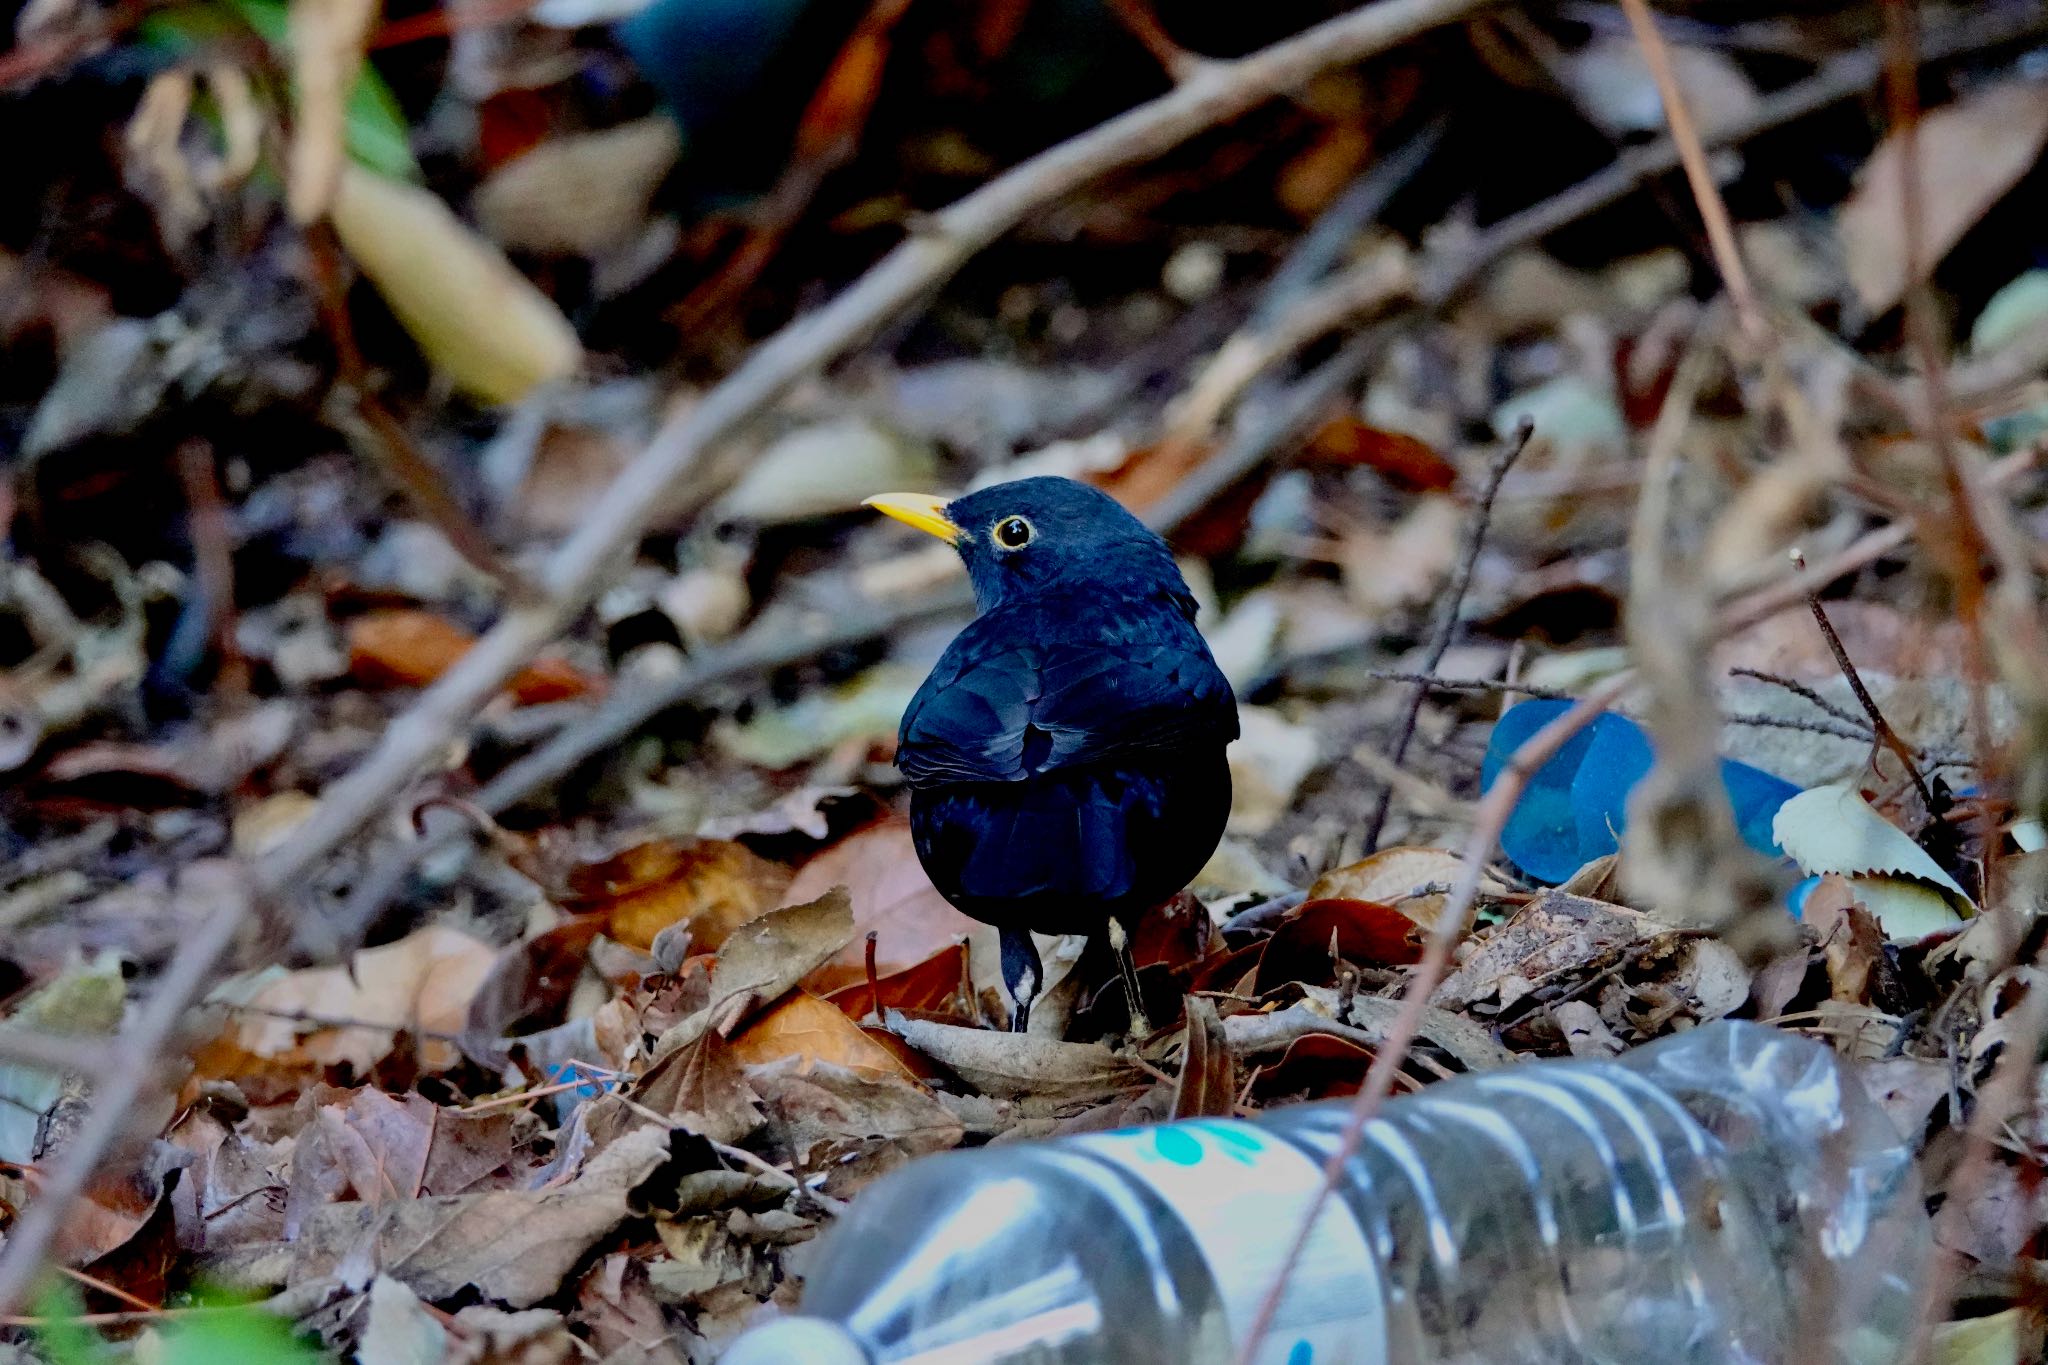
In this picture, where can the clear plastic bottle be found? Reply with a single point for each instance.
(1728, 1195)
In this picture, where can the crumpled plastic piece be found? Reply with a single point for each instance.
(1576, 806)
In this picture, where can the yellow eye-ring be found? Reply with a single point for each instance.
(1012, 533)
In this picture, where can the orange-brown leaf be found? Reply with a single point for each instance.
(890, 894)
(713, 885)
(933, 985)
(408, 647)
(817, 1030)
(1399, 458)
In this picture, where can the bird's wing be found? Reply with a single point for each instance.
(1026, 692)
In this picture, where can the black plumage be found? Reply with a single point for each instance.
(1066, 755)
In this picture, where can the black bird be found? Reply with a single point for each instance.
(1066, 756)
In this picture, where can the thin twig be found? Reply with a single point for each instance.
(1492, 817)
(1693, 156)
(1885, 734)
(1801, 691)
(1446, 628)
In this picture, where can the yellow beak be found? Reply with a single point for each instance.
(922, 510)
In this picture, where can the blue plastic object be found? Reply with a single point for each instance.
(1576, 806)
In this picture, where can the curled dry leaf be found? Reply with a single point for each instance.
(937, 985)
(1207, 1087)
(406, 647)
(710, 887)
(473, 315)
(1013, 1066)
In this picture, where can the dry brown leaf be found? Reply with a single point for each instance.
(1970, 154)
(424, 980)
(846, 1115)
(934, 986)
(1013, 1065)
(711, 886)
(814, 1030)
(1402, 460)
(701, 1086)
(512, 1246)
(626, 1325)
(891, 897)
(1364, 933)
(1851, 942)
(1412, 880)
(1552, 933)
(407, 647)
(762, 959)
(327, 57)
(528, 985)
(473, 315)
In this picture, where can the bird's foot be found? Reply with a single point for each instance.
(1127, 973)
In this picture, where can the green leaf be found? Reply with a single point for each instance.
(376, 131)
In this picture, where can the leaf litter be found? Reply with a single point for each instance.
(639, 980)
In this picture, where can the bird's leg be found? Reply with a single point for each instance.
(1120, 947)
(1023, 975)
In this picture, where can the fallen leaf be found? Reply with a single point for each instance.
(626, 1325)
(1832, 829)
(700, 1085)
(407, 647)
(512, 1246)
(1998, 1339)
(827, 1114)
(1969, 155)
(377, 1148)
(528, 984)
(1412, 880)
(710, 886)
(475, 317)
(891, 898)
(814, 1030)
(1013, 1065)
(400, 1330)
(1361, 932)
(583, 194)
(762, 959)
(1407, 463)
(1555, 932)
(1269, 760)
(424, 981)
(1402, 565)
(936, 985)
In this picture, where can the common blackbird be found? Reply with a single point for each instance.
(1066, 756)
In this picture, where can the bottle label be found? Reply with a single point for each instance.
(1243, 1195)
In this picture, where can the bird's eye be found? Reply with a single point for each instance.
(1012, 533)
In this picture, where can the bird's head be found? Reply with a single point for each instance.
(1025, 537)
